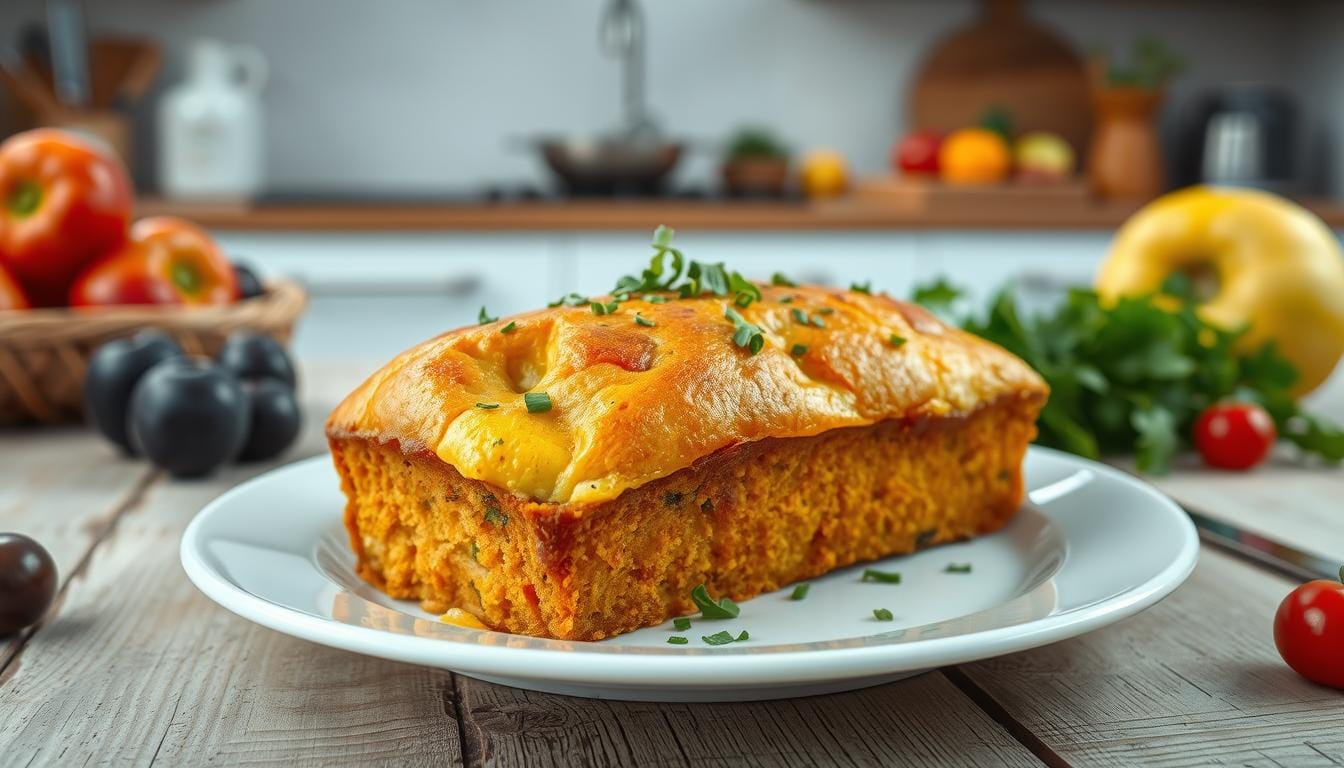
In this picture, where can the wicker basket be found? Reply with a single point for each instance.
(43, 351)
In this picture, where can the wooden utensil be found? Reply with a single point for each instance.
(1003, 59)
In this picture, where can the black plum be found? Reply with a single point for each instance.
(189, 416)
(256, 356)
(275, 419)
(112, 374)
(249, 285)
(27, 582)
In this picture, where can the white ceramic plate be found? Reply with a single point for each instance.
(1092, 547)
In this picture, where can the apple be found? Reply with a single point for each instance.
(917, 154)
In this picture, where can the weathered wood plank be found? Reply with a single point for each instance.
(1193, 681)
(923, 721)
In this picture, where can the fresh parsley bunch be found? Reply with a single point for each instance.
(1135, 376)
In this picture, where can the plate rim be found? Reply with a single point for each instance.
(700, 669)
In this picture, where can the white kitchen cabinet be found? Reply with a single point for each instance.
(374, 294)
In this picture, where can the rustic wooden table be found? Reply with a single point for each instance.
(135, 667)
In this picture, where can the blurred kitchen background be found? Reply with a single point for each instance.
(412, 161)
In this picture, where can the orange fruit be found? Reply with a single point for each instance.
(824, 173)
(974, 156)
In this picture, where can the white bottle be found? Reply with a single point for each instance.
(210, 125)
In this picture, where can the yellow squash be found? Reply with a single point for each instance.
(1254, 258)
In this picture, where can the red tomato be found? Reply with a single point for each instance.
(1309, 631)
(1234, 435)
(63, 203)
(11, 295)
(917, 153)
(166, 261)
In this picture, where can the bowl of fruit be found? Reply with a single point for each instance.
(76, 273)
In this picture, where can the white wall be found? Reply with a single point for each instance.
(419, 95)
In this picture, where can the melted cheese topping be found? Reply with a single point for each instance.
(631, 404)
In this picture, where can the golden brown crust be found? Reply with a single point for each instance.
(632, 404)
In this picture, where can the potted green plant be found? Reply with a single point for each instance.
(756, 164)
(1125, 158)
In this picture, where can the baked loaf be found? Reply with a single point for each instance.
(672, 456)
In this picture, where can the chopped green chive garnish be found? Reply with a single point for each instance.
(718, 638)
(785, 299)
(483, 317)
(537, 402)
(957, 568)
(881, 577)
(798, 350)
(654, 298)
(800, 591)
(677, 640)
(779, 279)
(723, 609)
(644, 321)
(882, 614)
(864, 287)
(817, 321)
(488, 406)
(896, 341)
(798, 315)
(494, 515)
(621, 296)
(569, 300)
(510, 328)
(826, 311)
(681, 623)
(745, 334)
(603, 309)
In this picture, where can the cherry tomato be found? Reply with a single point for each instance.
(63, 203)
(166, 261)
(1234, 435)
(11, 293)
(917, 153)
(1309, 631)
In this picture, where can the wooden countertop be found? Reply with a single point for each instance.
(561, 215)
(134, 666)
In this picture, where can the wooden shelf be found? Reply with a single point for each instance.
(842, 214)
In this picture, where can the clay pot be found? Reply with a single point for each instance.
(1125, 158)
(756, 176)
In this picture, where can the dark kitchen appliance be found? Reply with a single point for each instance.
(1242, 134)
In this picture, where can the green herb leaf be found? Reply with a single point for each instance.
(741, 636)
(644, 321)
(537, 402)
(864, 287)
(569, 300)
(778, 278)
(798, 315)
(896, 341)
(882, 614)
(488, 406)
(817, 321)
(881, 577)
(745, 334)
(957, 568)
(800, 591)
(718, 638)
(723, 609)
(494, 515)
(798, 350)
(510, 328)
(483, 317)
(681, 623)
(654, 298)
(677, 640)
(785, 299)
(938, 296)
(826, 311)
